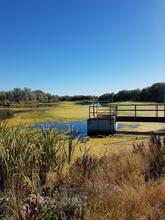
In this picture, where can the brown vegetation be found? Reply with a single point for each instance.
(41, 180)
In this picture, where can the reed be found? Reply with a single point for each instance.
(27, 157)
(41, 179)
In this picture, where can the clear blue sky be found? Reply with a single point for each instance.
(81, 46)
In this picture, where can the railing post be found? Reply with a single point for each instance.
(156, 110)
(116, 110)
(164, 110)
(135, 110)
(93, 111)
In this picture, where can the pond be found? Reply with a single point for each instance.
(119, 126)
(77, 127)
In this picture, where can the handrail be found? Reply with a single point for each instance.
(96, 111)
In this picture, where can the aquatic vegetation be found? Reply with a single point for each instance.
(62, 111)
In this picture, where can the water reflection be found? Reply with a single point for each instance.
(76, 127)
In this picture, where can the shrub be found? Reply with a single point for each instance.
(83, 166)
(154, 152)
(5, 114)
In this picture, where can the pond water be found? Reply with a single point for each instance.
(119, 126)
(77, 127)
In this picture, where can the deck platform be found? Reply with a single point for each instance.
(140, 119)
(130, 112)
(102, 119)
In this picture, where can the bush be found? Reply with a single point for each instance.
(154, 153)
(5, 114)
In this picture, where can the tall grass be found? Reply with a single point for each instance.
(27, 159)
(119, 190)
(40, 180)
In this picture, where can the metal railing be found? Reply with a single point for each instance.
(132, 110)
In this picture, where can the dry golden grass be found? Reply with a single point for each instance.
(117, 189)
(111, 178)
(119, 192)
(112, 144)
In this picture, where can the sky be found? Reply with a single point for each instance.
(71, 47)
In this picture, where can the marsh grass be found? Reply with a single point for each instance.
(62, 111)
(27, 159)
(118, 188)
(42, 178)
(67, 112)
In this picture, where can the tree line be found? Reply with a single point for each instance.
(154, 93)
(26, 95)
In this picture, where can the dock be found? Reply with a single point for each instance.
(103, 118)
